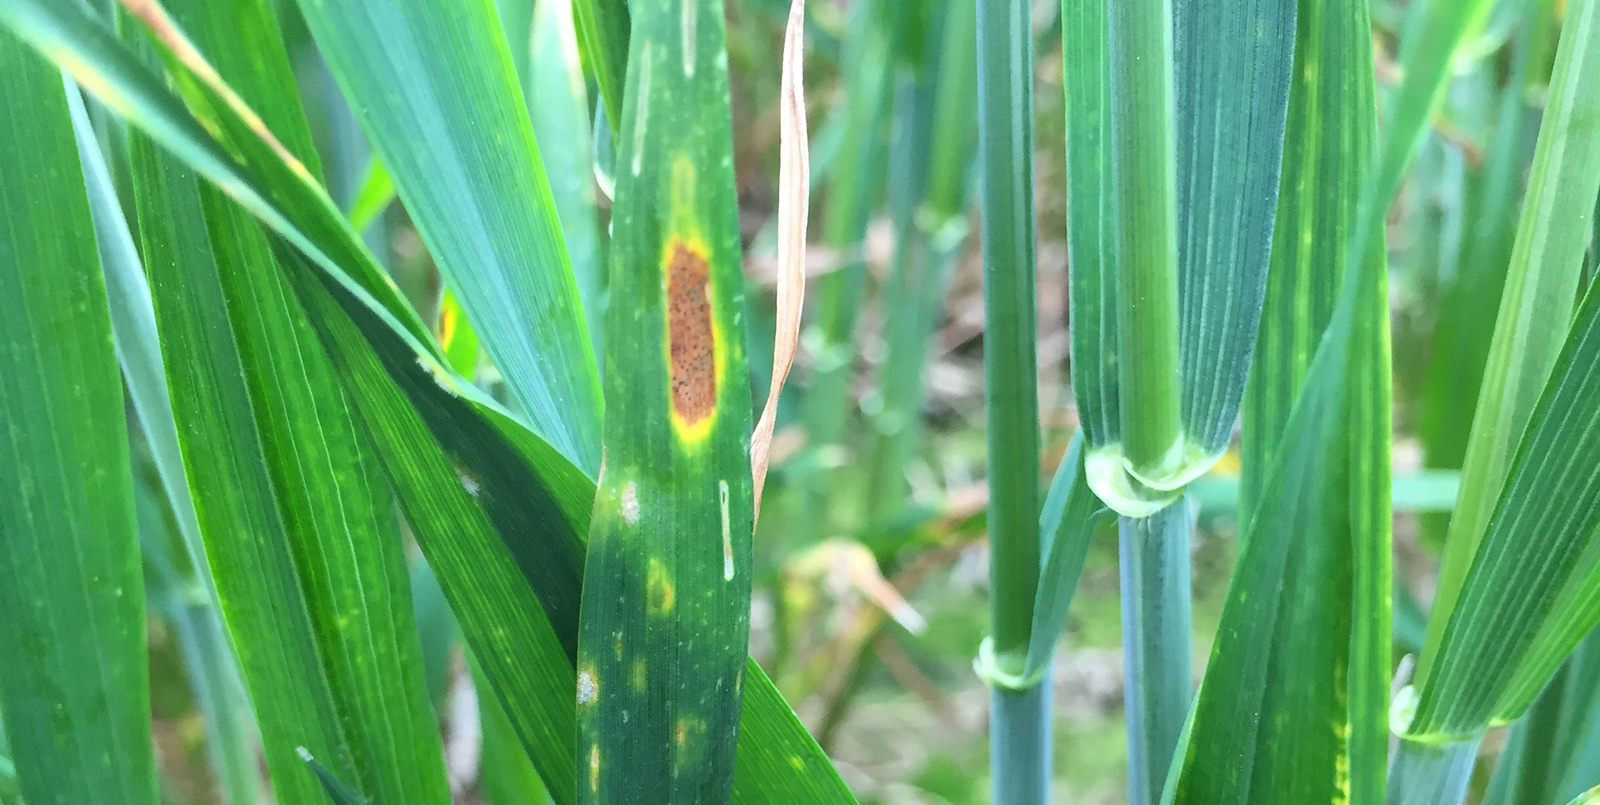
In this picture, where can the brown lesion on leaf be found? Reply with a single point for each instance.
(691, 340)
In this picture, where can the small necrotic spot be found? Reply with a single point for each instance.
(692, 343)
(588, 689)
(630, 503)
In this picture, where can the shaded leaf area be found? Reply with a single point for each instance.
(1469, 302)
(425, 423)
(74, 675)
(1543, 759)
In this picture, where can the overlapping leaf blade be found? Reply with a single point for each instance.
(1524, 372)
(74, 685)
(433, 86)
(558, 103)
(1312, 583)
(1531, 593)
(317, 506)
(178, 588)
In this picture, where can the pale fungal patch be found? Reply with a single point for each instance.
(630, 503)
(588, 689)
(727, 533)
(688, 37)
(468, 482)
(304, 753)
(642, 111)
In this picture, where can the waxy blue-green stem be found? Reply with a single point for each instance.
(1019, 720)
(1155, 643)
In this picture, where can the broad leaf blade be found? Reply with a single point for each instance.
(1232, 61)
(1532, 591)
(74, 684)
(1091, 216)
(667, 585)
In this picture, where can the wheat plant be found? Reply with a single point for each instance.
(408, 362)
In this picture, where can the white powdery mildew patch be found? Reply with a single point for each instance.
(587, 689)
(630, 503)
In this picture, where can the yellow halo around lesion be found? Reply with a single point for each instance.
(686, 268)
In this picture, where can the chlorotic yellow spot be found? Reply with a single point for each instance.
(641, 675)
(588, 687)
(594, 768)
(689, 730)
(448, 319)
(796, 763)
(658, 588)
(616, 643)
